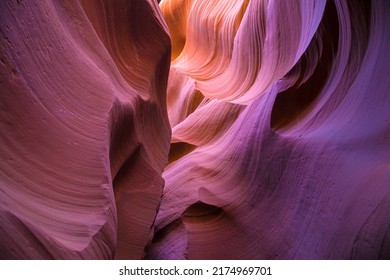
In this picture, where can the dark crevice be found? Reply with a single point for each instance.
(127, 168)
(200, 212)
(163, 232)
(178, 150)
(159, 237)
(291, 104)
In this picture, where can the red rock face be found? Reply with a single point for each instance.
(195, 130)
(85, 133)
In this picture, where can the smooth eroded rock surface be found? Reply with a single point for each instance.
(188, 129)
(288, 154)
(84, 129)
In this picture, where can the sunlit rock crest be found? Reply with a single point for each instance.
(280, 116)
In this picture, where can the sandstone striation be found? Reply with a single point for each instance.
(188, 129)
(287, 155)
(84, 129)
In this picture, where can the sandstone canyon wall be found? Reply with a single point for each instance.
(189, 129)
(84, 128)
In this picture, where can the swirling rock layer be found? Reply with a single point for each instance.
(287, 155)
(84, 129)
(210, 129)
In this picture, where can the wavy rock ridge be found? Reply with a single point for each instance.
(191, 129)
(85, 133)
(287, 154)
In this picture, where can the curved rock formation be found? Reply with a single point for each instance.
(84, 128)
(263, 133)
(300, 172)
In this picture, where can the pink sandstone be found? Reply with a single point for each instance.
(184, 129)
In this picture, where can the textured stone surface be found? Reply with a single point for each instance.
(190, 129)
(301, 169)
(84, 128)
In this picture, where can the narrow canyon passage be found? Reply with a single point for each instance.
(195, 129)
